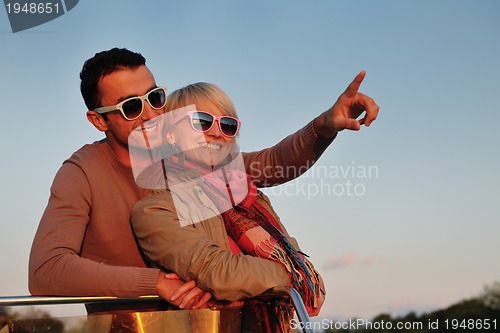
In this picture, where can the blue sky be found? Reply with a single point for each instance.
(420, 233)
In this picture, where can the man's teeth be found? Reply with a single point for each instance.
(210, 146)
(149, 129)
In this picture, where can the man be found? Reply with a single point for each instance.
(84, 244)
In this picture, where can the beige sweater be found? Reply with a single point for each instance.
(84, 245)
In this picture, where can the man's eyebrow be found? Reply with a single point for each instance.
(121, 99)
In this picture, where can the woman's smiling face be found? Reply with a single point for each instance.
(207, 149)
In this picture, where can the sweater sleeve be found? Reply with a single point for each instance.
(190, 253)
(286, 160)
(55, 264)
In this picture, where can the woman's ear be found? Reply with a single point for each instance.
(97, 120)
(170, 138)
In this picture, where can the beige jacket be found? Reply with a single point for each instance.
(201, 250)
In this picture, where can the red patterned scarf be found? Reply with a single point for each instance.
(256, 232)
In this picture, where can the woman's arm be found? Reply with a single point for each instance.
(286, 160)
(298, 152)
(190, 253)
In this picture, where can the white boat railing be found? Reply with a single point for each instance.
(15, 301)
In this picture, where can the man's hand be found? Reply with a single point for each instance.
(344, 113)
(184, 295)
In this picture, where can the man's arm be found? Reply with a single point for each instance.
(298, 152)
(55, 265)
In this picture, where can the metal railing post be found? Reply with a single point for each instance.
(301, 311)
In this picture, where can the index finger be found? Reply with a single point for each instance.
(353, 87)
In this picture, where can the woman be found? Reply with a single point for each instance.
(210, 223)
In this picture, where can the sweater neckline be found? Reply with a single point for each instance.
(121, 168)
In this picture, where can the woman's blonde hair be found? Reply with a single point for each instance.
(201, 91)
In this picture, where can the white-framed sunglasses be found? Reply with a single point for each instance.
(132, 107)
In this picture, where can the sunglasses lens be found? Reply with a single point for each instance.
(132, 108)
(202, 121)
(228, 126)
(157, 98)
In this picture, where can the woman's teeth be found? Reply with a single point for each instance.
(210, 146)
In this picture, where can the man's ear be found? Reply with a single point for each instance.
(97, 120)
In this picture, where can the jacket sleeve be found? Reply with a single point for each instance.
(55, 264)
(190, 253)
(286, 160)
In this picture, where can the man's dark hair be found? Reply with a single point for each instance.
(102, 64)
